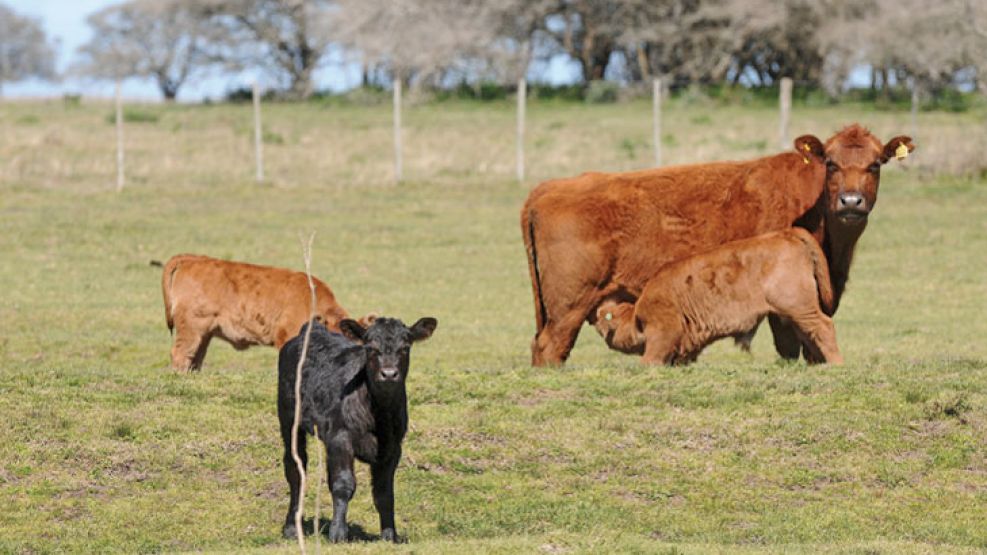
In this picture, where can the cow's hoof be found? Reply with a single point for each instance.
(338, 534)
(289, 532)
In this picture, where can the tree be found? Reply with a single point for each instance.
(287, 38)
(416, 41)
(587, 31)
(159, 39)
(24, 48)
(684, 41)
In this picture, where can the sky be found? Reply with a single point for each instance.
(65, 21)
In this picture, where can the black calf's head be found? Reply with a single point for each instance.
(388, 343)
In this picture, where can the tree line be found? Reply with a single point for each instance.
(933, 46)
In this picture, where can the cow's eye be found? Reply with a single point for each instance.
(874, 168)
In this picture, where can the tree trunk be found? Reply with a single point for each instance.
(643, 63)
(301, 84)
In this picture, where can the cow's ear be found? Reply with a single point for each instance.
(810, 146)
(898, 147)
(352, 329)
(423, 329)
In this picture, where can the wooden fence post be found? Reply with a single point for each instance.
(915, 100)
(397, 128)
(258, 135)
(119, 125)
(656, 118)
(522, 95)
(785, 99)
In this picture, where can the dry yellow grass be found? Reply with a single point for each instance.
(54, 145)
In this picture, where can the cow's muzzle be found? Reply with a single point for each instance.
(852, 208)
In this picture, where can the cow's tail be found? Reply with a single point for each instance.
(820, 269)
(167, 281)
(528, 221)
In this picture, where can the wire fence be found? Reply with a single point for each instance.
(316, 144)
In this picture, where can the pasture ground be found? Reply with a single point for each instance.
(104, 449)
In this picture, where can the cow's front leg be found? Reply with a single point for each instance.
(383, 486)
(342, 482)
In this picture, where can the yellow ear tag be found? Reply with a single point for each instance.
(901, 152)
(806, 147)
(608, 317)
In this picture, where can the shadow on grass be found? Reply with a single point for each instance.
(357, 532)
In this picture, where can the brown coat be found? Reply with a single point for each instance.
(600, 237)
(725, 292)
(241, 303)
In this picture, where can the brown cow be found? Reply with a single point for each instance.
(724, 292)
(244, 304)
(600, 237)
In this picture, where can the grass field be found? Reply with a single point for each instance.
(105, 450)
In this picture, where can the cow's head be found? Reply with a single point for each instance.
(388, 345)
(853, 159)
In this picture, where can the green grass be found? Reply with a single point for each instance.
(104, 449)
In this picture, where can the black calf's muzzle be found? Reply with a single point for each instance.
(390, 373)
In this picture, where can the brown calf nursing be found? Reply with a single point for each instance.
(726, 292)
(241, 303)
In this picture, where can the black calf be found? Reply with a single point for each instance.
(354, 392)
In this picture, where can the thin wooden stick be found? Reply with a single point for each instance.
(307, 253)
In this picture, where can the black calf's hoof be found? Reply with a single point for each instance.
(338, 534)
(289, 532)
(389, 535)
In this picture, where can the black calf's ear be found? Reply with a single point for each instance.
(423, 329)
(352, 329)
(898, 147)
(809, 146)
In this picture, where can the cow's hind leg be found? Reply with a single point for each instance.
(189, 349)
(820, 338)
(192, 334)
(552, 345)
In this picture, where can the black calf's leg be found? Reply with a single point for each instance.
(294, 478)
(383, 486)
(342, 482)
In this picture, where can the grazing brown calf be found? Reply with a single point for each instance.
(726, 292)
(244, 304)
(600, 237)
